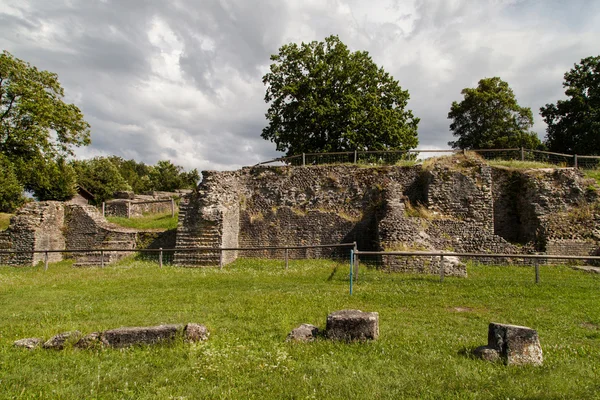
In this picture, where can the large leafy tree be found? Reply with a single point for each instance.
(489, 117)
(101, 177)
(169, 177)
(574, 123)
(36, 126)
(11, 191)
(324, 98)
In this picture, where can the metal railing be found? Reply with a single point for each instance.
(392, 157)
(198, 256)
(528, 259)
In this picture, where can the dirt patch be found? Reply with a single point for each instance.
(589, 325)
(461, 309)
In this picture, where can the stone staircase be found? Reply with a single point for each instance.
(205, 234)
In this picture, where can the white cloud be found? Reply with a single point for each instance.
(182, 80)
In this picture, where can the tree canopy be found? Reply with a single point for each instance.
(489, 117)
(325, 98)
(574, 123)
(38, 129)
(103, 176)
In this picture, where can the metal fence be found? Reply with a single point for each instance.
(381, 259)
(399, 157)
(187, 257)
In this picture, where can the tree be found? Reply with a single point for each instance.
(11, 191)
(101, 177)
(489, 117)
(325, 98)
(574, 123)
(168, 177)
(50, 179)
(36, 125)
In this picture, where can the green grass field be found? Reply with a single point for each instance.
(427, 329)
(150, 221)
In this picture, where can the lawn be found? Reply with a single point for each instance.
(427, 329)
(150, 221)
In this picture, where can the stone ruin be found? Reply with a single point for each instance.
(53, 225)
(120, 337)
(344, 325)
(513, 344)
(128, 204)
(454, 204)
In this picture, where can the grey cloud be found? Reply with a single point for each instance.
(213, 116)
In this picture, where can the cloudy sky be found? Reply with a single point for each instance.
(181, 79)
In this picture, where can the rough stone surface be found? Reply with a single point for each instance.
(58, 342)
(516, 345)
(124, 337)
(352, 325)
(195, 333)
(487, 353)
(303, 333)
(29, 343)
(468, 207)
(453, 204)
(89, 341)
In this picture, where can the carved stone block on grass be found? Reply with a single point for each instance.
(195, 333)
(352, 325)
(28, 343)
(124, 337)
(58, 342)
(303, 333)
(515, 345)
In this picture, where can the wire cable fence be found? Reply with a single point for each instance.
(394, 157)
(500, 268)
(189, 257)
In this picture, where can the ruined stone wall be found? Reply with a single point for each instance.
(52, 225)
(458, 204)
(35, 227)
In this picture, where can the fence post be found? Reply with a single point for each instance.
(129, 209)
(537, 271)
(303, 159)
(575, 161)
(103, 209)
(46, 261)
(352, 255)
(442, 272)
(522, 154)
(220, 258)
(172, 207)
(356, 263)
(160, 258)
(101, 258)
(355, 156)
(286, 258)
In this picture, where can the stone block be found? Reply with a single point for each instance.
(28, 343)
(487, 353)
(352, 325)
(516, 345)
(303, 333)
(58, 342)
(195, 333)
(90, 341)
(125, 337)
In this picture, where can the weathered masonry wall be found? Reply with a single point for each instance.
(135, 205)
(456, 204)
(55, 225)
